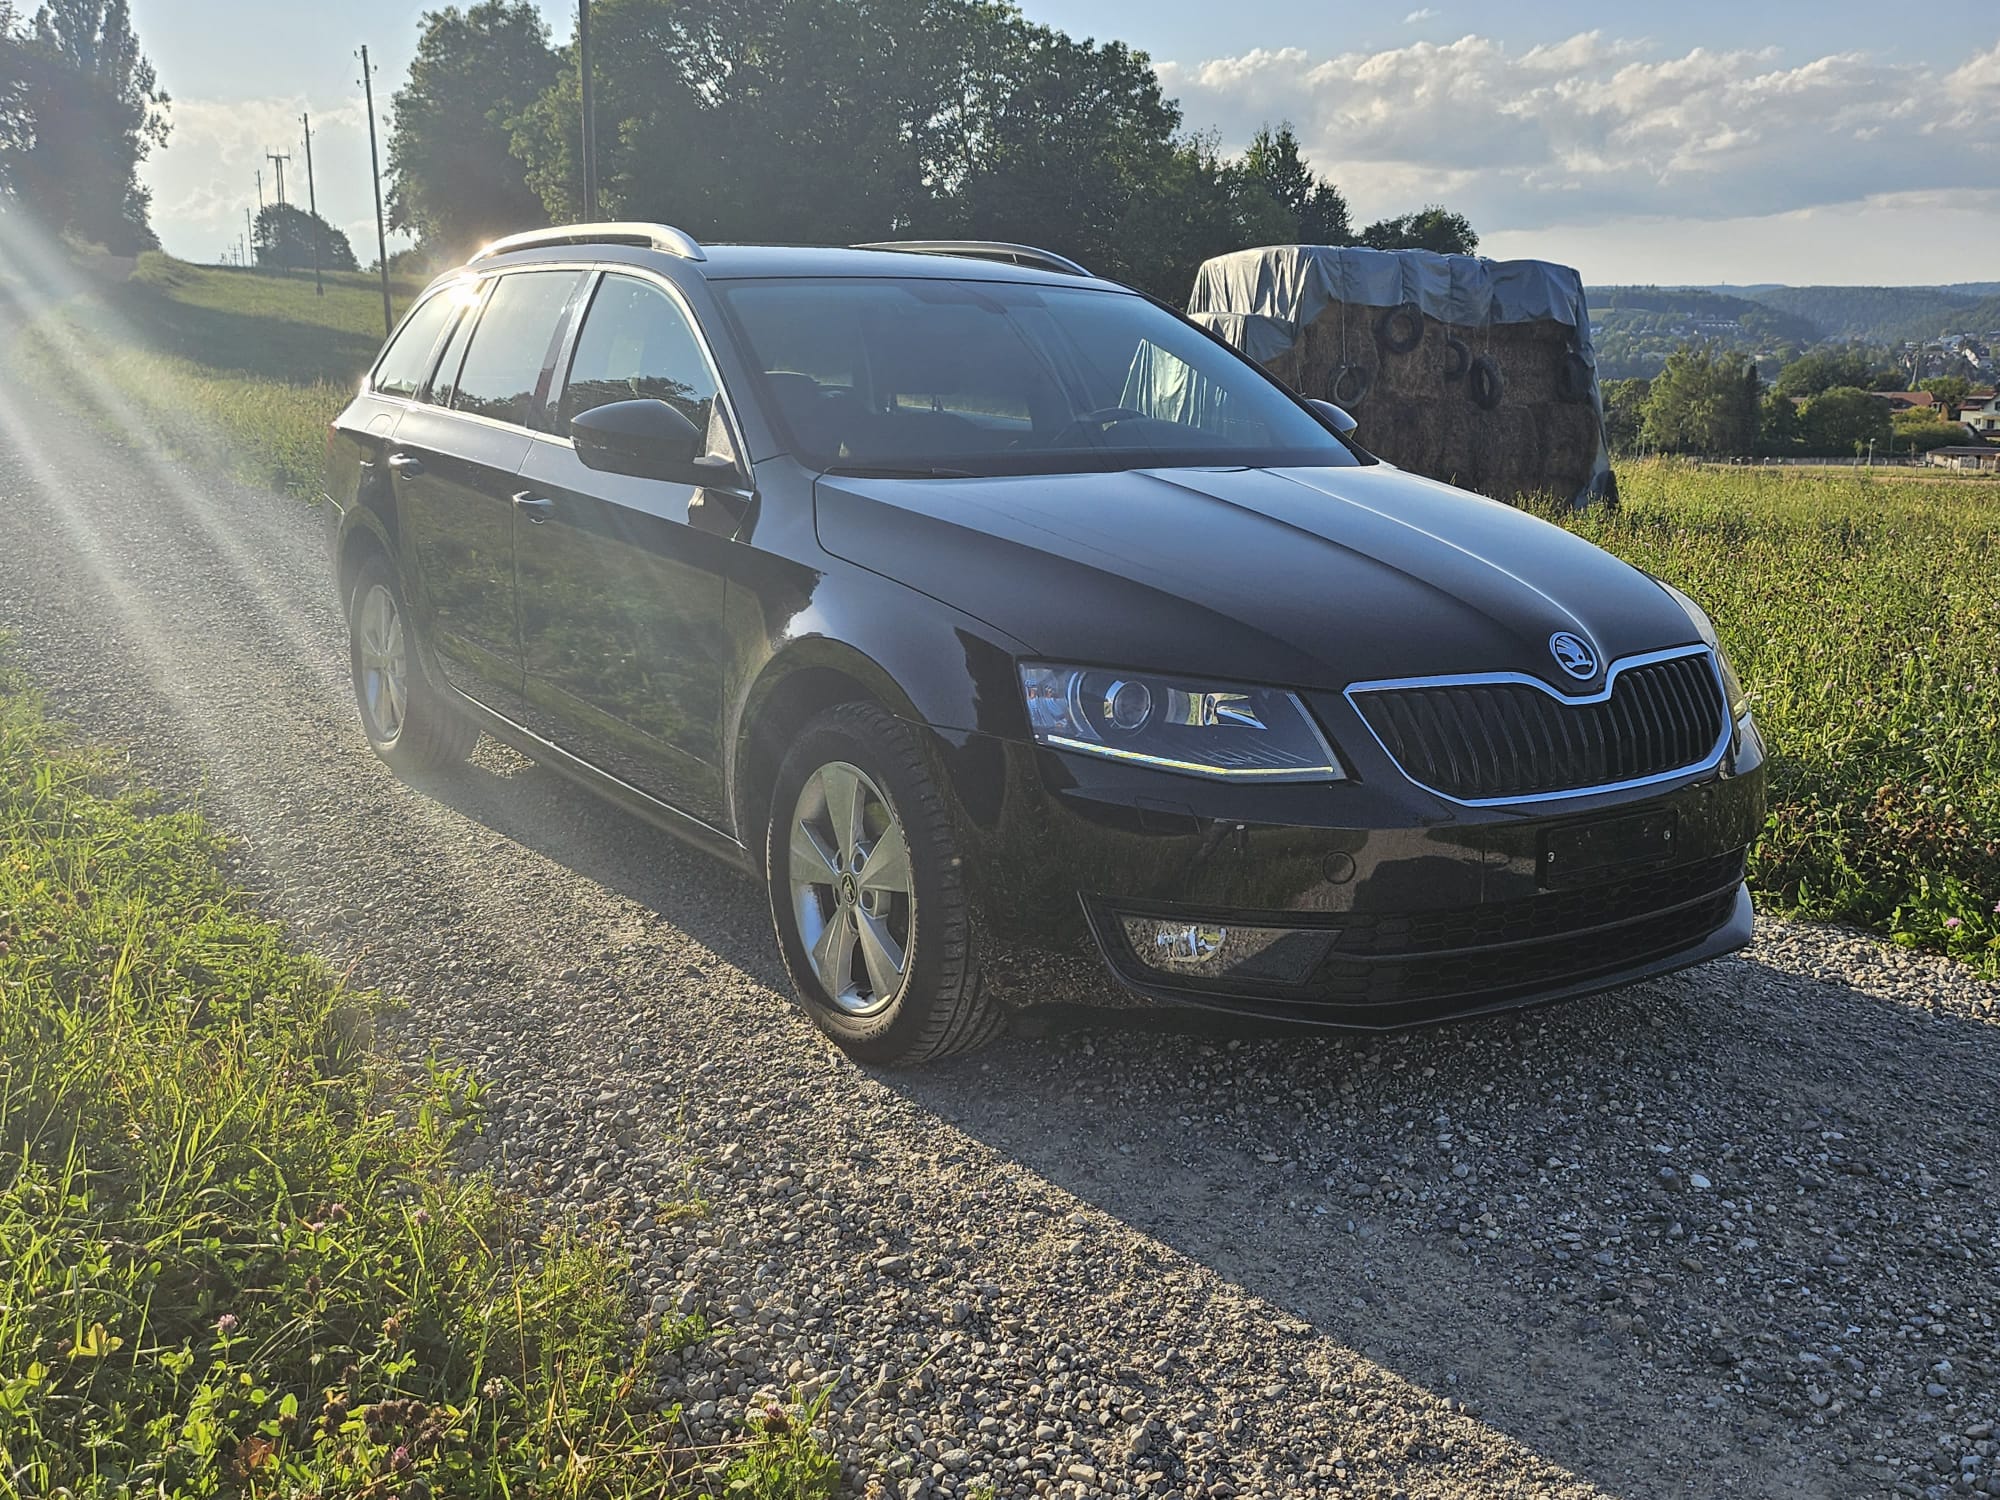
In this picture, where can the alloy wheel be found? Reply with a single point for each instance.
(383, 663)
(849, 871)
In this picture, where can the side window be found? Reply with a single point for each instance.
(636, 343)
(407, 360)
(444, 383)
(512, 345)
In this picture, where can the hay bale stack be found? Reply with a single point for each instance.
(1545, 435)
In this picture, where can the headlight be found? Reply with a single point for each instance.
(1195, 728)
(1739, 702)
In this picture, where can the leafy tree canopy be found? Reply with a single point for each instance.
(455, 181)
(1951, 391)
(1824, 369)
(1317, 207)
(283, 237)
(1845, 419)
(1704, 400)
(80, 109)
(1431, 228)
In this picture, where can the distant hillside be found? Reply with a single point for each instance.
(1637, 327)
(1878, 314)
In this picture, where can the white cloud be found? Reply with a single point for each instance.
(206, 176)
(1418, 17)
(1597, 130)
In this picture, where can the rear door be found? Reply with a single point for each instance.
(454, 461)
(621, 597)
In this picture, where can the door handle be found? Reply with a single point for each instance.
(406, 464)
(536, 508)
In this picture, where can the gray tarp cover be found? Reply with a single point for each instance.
(1260, 300)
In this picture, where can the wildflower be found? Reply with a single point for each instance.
(338, 1211)
(422, 1217)
(1952, 924)
(1996, 908)
(226, 1324)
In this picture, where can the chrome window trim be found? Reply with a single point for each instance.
(1487, 679)
(664, 283)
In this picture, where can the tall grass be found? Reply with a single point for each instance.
(232, 1258)
(1863, 615)
(241, 370)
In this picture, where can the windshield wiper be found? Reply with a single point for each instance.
(895, 471)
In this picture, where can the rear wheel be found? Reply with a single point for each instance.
(867, 896)
(407, 723)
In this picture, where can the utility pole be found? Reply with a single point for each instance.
(375, 167)
(278, 160)
(589, 111)
(260, 190)
(312, 202)
(249, 235)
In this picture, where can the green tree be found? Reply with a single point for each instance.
(1951, 391)
(1845, 420)
(1823, 369)
(1778, 424)
(1704, 400)
(1431, 228)
(283, 237)
(455, 179)
(80, 109)
(1196, 205)
(1624, 413)
(1318, 208)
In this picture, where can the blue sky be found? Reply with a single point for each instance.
(1704, 142)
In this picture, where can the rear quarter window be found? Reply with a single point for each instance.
(404, 364)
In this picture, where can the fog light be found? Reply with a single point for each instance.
(1209, 950)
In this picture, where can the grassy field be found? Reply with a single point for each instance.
(1859, 606)
(232, 1257)
(241, 368)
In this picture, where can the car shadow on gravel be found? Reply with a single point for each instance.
(1721, 1228)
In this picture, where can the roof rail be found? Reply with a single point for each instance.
(650, 236)
(1001, 250)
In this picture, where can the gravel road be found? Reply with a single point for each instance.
(1735, 1231)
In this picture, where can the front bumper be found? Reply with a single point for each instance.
(1376, 903)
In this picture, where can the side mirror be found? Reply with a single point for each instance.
(1336, 418)
(648, 439)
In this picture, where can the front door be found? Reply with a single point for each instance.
(620, 597)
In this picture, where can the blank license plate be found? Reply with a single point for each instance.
(1587, 849)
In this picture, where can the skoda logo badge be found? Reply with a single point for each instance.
(1574, 655)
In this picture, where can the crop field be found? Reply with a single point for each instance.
(1859, 607)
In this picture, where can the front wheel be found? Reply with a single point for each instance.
(406, 721)
(867, 894)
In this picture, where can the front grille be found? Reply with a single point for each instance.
(1501, 741)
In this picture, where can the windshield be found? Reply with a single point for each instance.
(947, 378)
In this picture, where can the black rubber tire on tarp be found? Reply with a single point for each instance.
(1457, 358)
(1351, 385)
(1484, 383)
(943, 1006)
(1400, 329)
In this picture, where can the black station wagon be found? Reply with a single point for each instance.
(1034, 646)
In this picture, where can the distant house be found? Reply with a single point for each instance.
(1981, 412)
(1902, 401)
(1981, 460)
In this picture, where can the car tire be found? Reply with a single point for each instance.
(407, 721)
(854, 780)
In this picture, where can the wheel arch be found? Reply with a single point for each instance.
(794, 687)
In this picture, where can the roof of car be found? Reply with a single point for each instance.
(723, 262)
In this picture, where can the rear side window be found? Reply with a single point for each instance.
(513, 345)
(407, 360)
(636, 344)
(445, 382)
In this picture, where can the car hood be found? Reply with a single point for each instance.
(1310, 578)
